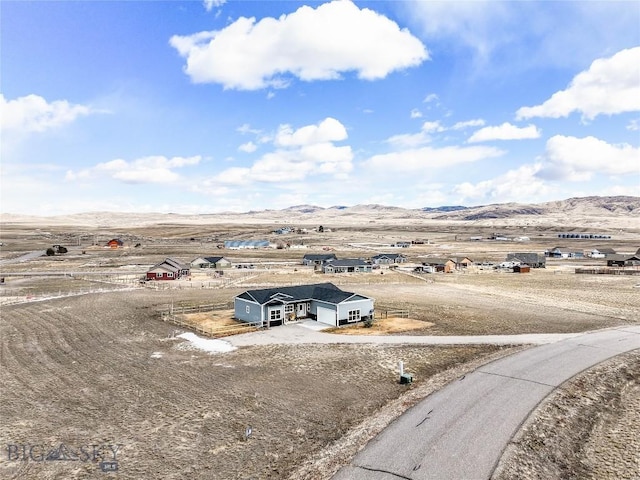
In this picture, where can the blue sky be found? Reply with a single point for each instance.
(204, 107)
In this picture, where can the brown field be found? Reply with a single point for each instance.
(101, 367)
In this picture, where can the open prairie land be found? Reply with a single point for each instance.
(87, 360)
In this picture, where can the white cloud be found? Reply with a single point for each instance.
(609, 86)
(299, 153)
(514, 36)
(329, 130)
(520, 184)
(33, 113)
(579, 159)
(473, 24)
(506, 131)
(421, 160)
(211, 4)
(411, 140)
(248, 147)
(634, 125)
(415, 113)
(310, 44)
(431, 127)
(153, 169)
(432, 97)
(478, 122)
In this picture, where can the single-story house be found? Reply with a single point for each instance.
(401, 244)
(445, 265)
(424, 269)
(601, 252)
(463, 262)
(115, 243)
(387, 258)
(622, 260)
(323, 302)
(562, 252)
(211, 262)
(347, 265)
(168, 269)
(239, 244)
(532, 259)
(317, 258)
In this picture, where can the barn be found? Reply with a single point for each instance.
(322, 302)
(115, 243)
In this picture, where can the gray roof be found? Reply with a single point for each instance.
(529, 258)
(388, 255)
(171, 264)
(326, 292)
(246, 243)
(348, 262)
(319, 256)
(606, 250)
(213, 259)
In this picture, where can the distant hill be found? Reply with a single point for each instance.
(582, 212)
(452, 208)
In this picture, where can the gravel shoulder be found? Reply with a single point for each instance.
(588, 429)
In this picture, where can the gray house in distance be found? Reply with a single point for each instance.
(347, 265)
(532, 259)
(317, 258)
(388, 258)
(211, 262)
(323, 302)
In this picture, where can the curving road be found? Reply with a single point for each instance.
(461, 431)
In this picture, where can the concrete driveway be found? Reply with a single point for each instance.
(309, 332)
(461, 431)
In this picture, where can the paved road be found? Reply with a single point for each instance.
(460, 432)
(309, 332)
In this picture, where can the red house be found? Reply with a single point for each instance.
(115, 243)
(168, 269)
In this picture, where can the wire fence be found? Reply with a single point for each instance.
(609, 271)
(18, 299)
(176, 315)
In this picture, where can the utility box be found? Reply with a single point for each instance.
(406, 378)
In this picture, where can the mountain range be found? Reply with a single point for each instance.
(594, 211)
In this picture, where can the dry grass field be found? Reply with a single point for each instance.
(100, 367)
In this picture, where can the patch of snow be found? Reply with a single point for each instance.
(210, 345)
(156, 355)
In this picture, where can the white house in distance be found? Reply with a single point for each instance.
(388, 258)
(211, 262)
(323, 302)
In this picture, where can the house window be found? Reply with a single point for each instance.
(288, 308)
(276, 314)
(354, 315)
(169, 275)
(247, 309)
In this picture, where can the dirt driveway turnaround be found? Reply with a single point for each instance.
(310, 332)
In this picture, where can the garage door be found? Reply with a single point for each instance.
(327, 315)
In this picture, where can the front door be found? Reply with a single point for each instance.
(301, 310)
